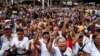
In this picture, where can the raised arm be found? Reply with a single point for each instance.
(76, 38)
(36, 41)
(64, 26)
(50, 45)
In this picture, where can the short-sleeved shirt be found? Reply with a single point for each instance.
(44, 50)
(92, 49)
(20, 44)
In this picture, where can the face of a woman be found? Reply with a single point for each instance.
(46, 37)
(62, 44)
(80, 40)
(97, 39)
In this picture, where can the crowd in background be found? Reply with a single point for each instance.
(69, 31)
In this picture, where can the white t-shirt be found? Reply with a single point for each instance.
(10, 39)
(85, 40)
(20, 44)
(68, 52)
(44, 50)
(3, 48)
(91, 49)
(76, 47)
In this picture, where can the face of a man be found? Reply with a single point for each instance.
(20, 35)
(62, 44)
(70, 28)
(7, 32)
(80, 40)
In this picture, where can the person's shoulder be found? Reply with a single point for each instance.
(90, 43)
(41, 40)
(26, 38)
(31, 40)
(14, 38)
(69, 49)
(88, 47)
(85, 37)
(56, 48)
(3, 36)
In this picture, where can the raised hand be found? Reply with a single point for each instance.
(53, 35)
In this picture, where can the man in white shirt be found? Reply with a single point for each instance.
(3, 45)
(20, 43)
(7, 36)
(93, 48)
(79, 44)
(3, 48)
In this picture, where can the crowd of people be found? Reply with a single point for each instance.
(69, 31)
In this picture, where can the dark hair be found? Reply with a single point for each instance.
(45, 33)
(20, 30)
(7, 29)
(80, 36)
(96, 33)
(94, 36)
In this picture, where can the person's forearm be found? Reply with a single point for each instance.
(36, 39)
(75, 40)
(64, 26)
(86, 54)
(49, 46)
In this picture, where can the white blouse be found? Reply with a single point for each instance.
(44, 50)
(92, 49)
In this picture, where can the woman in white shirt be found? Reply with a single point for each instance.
(61, 48)
(43, 44)
(93, 48)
